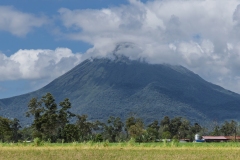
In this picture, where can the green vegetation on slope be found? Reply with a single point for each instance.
(51, 123)
(101, 88)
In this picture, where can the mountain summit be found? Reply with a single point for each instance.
(119, 87)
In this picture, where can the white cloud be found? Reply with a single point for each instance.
(202, 35)
(37, 64)
(8, 69)
(18, 23)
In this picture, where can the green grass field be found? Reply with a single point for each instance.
(105, 151)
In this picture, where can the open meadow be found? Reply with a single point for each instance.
(124, 151)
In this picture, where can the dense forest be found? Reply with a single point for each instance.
(122, 88)
(55, 123)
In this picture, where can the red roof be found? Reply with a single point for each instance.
(232, 137)
(215, 137)
(220, 137)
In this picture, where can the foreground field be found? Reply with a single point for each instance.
(120, 151)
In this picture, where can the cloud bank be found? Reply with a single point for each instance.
(18, 23)
(37, 64)
(202, 35)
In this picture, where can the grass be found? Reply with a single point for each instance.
(118, 151)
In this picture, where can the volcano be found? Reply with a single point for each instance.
(103, 87)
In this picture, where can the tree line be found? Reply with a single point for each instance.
(55, 123)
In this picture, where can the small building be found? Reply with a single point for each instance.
(220, 138)
(198, 138)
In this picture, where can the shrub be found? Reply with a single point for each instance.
(98, 138)
(37, 142)
(131, 142)
(106, 143)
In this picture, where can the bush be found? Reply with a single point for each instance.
(131, 142)
(106, 143)
(37, 142)
(98, 138)
(175, 141)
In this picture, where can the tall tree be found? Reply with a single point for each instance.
(64, 114)
(70, 133)
(50, 117)
(184, 129)
(84, 127)
(15, 126)
(216, 131)
(26, 133)
(174, 126)
(63, 117)
(229, 128)
(5, 129)
(152, 131)
(165, 124)
(196, 128)
(113, 128)
(49, 122)
(135, 127)
(35, 109)
(129, 122)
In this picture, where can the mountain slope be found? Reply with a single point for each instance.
(104, 87)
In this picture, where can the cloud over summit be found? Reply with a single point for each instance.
(202, 35)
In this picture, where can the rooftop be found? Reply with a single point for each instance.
(220, 137)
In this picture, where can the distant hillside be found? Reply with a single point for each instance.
(120, 87)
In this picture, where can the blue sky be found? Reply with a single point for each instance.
(41, 39)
